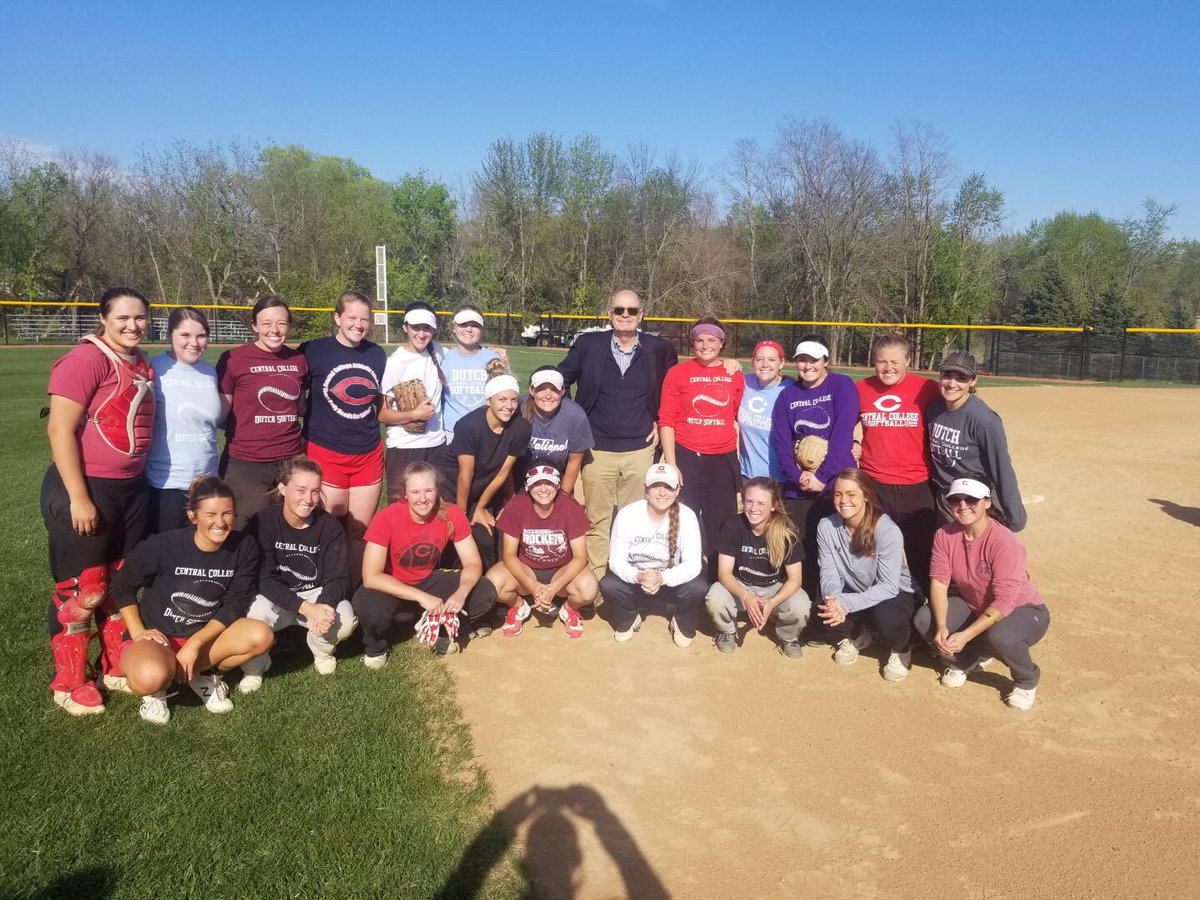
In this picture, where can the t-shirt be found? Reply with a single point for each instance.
(701, 404)
(267, 390)
(300, 559)
(404, 365)
(759, 457)
(465, 380)
(751, 562)
(475, 438)
(186, 412)
(184, 587)
(556, 438)
(895, 448)
(414, 549)
(343, 388)
(544, 543)
(990, 570)
(88, 377)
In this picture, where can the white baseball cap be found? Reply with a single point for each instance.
(815, 349)
(466, 316)
(420, 317)
(968, 487)
(542, 473)
(663, 473)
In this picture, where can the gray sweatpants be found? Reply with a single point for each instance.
(1008, 640)
(789, 616)
(344, 623)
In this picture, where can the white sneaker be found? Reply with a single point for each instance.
(154, 709)
(677, 636)
(115, 683)
(1021, 698)
(627, 635)
(847, 650)
(375, 662)
(213, 691)
(954, 677)
(897, 666)
(254, 670)
(249, 684)
(325, 663)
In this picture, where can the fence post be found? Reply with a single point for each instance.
(968, 334)
(1085, 363)
(1121, 368)
(996, 352)
(4, 313)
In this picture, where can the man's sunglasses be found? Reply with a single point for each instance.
(625, 310)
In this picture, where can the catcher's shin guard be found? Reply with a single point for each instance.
(112, 630)
(75, 601)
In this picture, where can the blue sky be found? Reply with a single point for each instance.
(1064, 105)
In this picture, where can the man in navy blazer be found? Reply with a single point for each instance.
(618, 378)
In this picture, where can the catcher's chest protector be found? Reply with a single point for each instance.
(125, 419)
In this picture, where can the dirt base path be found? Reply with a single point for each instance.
(645, 770)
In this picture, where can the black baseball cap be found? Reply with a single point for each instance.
(960, 361)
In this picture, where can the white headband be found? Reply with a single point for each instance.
(499, 384)
(420, 317)
(969, 487)
(815, 349)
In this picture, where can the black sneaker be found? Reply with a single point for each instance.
(726, 643)
(791, 649)
(443, 646)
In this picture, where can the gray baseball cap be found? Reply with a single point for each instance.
(960, 361)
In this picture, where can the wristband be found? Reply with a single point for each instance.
(991, 616)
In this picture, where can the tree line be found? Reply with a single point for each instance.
(816, 225)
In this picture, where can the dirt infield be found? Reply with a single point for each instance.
(645, 770)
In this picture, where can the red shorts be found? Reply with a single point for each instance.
(342, 471)
(175, 643)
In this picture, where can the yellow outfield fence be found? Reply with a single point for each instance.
(1076, 352)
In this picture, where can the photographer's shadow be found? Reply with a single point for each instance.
(552, 854)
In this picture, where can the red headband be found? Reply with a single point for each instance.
(774, 345)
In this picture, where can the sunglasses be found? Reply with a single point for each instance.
(956, 376)
(625, 310)
(962, 500)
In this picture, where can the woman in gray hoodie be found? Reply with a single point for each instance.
(865, 582)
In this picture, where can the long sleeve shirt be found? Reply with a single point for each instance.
(829, 410)
(701, 404)
(988, 571)
(300, 559)
(183, 587)
(860, 582)
(638, 544)
(969, 442)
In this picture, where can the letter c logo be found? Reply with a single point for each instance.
(888, 403)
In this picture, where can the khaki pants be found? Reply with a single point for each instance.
(610, 481)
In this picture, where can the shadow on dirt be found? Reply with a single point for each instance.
(552, 854)
(1189, 514)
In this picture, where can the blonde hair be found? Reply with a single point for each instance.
(780, 534)
(439, 508)
(863, 542)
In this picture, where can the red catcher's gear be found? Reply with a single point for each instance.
(112, 630)
(76, 599)
(124, 421)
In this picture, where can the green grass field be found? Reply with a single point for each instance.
(357, 785)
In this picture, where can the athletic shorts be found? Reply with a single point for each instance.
(123, 507)
(175, 643)
(344, 471)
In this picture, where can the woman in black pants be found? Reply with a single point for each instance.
(864, 579)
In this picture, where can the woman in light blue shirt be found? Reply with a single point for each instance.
(466, 367)
(187, 410)
(758, 456)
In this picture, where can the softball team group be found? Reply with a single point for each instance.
(693, 499)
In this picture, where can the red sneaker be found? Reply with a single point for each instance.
(515, 620)
(572, 624)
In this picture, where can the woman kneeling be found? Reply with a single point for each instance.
(303, 580)
(544, 554)
(401, 579)
(654, 552)
(998, 610)
(864, 577)
(196, 585)
(759, 560)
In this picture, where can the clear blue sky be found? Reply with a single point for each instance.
(1064, 105)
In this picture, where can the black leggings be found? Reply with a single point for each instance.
(805, 513)
(122, 506)
(377, 611)
(711, 482)
(624, 599)
(168, 510)
(911, 507)
(891, 620)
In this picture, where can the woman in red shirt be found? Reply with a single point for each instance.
(997, 610)
(401, 578)
(697, 425)
(94, 496)
(895, 447)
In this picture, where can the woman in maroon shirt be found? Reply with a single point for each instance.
(996, 610)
